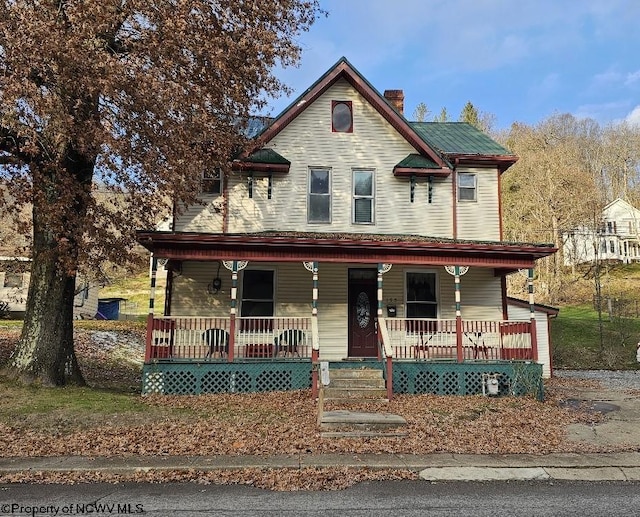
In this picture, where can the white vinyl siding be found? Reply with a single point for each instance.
(308, 141)
(480, 220)
(542, 334)
(205, 218)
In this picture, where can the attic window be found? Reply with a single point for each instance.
(341, 117)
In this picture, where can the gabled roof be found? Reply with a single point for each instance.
(619, 201)
(439, 145)
(344, 70)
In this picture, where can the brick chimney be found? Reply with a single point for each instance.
(396, 99)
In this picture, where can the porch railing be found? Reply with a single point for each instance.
(430, 339)
(193, 337)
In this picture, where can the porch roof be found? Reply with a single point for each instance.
(343, 247)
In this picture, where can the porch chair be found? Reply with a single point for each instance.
(478, 344)
(218, 342)
(288, 343)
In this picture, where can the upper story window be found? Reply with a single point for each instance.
(467, 187)
(421, 295)
(363, 197)
(341, 117)
(212, 182)
(319, 200)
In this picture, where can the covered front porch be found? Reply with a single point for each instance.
(396, 306)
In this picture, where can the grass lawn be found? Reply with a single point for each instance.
(576, 339)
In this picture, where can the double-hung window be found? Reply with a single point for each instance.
(363, 197)
(319, 196)
(212, 182)
(421, 295)
(467, 187)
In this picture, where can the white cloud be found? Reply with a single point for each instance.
(632, 78)
(633, 118)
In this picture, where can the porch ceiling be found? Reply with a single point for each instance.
(353, 248)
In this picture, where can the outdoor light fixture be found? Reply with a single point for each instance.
(216, 284)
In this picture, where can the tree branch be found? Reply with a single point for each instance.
(10, 144)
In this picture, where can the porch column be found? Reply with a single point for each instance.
(457, 272)
(152, 296)
(382, 269)
(315, 350)
(234, 266)
(532, 310)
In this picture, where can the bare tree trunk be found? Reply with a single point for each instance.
(45, 352)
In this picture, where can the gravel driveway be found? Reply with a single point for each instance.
(614, 379)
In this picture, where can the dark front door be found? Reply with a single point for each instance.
(363, 305)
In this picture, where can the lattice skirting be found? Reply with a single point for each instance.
(198, 378)
(515, 378)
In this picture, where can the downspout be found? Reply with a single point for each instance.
(505, 308)
(168, 290)
(454, 181)
(500, 204)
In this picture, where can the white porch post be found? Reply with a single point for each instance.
(315, 351)
(457, 272)
(152, 295)
(382, 269)
(234, 266)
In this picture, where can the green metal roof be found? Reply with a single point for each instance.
(417, 161)
(267, 156)
(458, 138)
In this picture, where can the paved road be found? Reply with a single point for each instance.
(398, 498)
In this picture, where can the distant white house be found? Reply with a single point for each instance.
(14, 286)
(617, 239)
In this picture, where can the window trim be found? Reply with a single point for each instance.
(473, 189)
(437, 303)
(349, 105)
(372, 196)
(211, 178)
(329, 194)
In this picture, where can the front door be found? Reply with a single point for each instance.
(363, 305)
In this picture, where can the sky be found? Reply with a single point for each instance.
(519, 60)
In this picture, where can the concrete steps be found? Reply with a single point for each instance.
(357, 386)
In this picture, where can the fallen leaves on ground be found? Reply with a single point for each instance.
(285, 480)
(285, 423)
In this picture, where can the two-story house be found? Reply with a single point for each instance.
(350, 235)
(617, 238)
